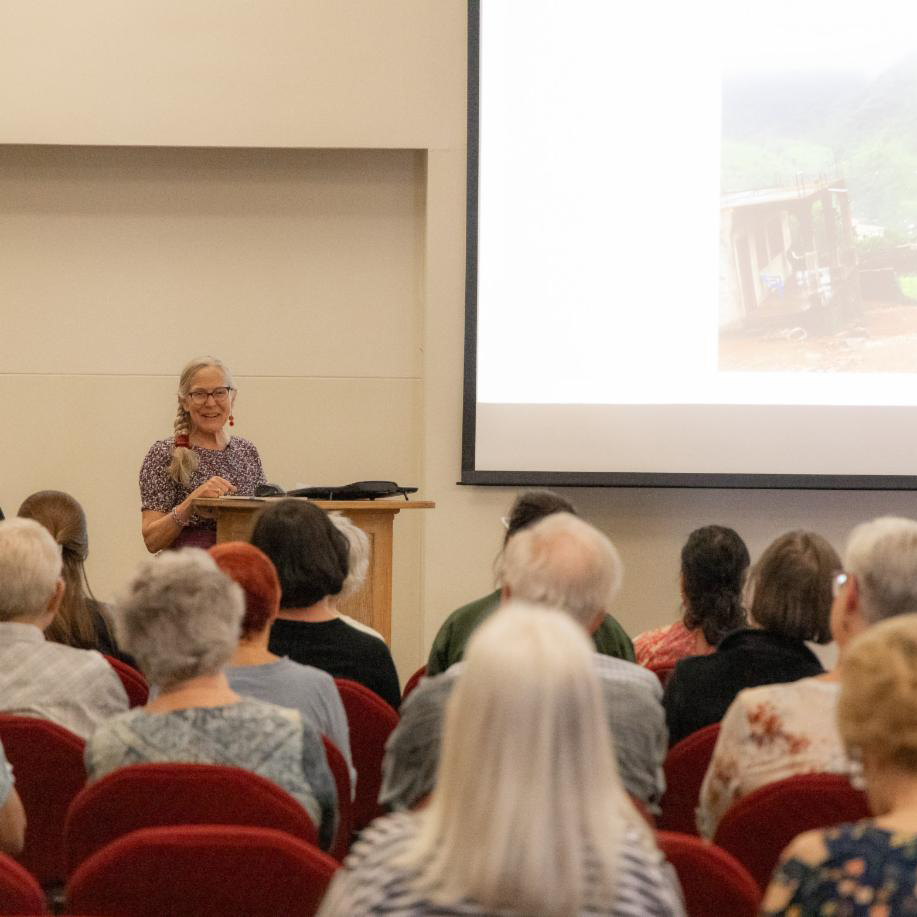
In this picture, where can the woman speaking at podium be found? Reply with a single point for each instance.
(200, 460)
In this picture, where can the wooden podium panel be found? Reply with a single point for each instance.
(372, 603)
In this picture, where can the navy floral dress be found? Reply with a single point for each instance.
(867, 872)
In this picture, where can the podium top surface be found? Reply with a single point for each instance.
(382, 504)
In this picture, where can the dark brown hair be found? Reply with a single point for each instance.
(713, 564)
(792, 586)
(64, 518)
(310, 554)
(532, 506)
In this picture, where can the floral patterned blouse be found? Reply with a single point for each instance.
(769, 733)
(663, 647)
(859, 870)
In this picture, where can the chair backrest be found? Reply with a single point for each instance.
(152, 795)
(757, 827)
(371, 721)
(339, 770)
(138, 691)
(202, 871)
(48, 765)
(19, 892)
(413, 682)
(714, 882)
(685, 766)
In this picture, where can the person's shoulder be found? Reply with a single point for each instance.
(612, 669)
(470, 613)
(241, 444)
(160, 449)
(305, 676)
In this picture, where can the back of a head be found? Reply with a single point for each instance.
(532, 506)
(544, 754)
(253, 571)
(30, 566)
(563, 562)
(357, 552)
(310, 554)
(877, 707)
(882, 555)
(180, 616)
(791, 587)
(713, 565)
(64, 518)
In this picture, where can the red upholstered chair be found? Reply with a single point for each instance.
(757, 827)
(48, 765)
(201, 871)
(413, 682)
(685, 766)
(714, 883)
(19, 892)
(371, 721)
(138, 691)
(339, 770)
(152, 795)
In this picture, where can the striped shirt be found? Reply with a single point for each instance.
(76, 689)
(645, 884)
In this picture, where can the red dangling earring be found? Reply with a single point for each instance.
(232, 420)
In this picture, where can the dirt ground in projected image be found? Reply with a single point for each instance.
(882, 339)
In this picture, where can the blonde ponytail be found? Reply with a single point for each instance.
(184, 459)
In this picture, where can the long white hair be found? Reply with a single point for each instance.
(527, 792)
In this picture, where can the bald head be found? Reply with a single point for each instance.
(565, 563)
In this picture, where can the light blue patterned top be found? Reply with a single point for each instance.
(270, 741)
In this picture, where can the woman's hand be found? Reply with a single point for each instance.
(161, 529)
(214, 487)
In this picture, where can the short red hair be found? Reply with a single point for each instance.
(252, 569)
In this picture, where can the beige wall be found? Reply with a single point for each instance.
(325, 263)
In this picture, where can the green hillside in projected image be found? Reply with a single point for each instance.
(818, 221)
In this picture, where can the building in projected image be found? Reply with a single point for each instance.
(788, 261)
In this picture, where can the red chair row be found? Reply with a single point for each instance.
(185, 871)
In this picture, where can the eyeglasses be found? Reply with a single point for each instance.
(199, 396)
(838, 583)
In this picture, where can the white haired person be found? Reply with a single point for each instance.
(867, 867)
(200, 459)
(358, 555)
(75, 688)
(776, 731)
(528, 815)
(564, 563)
(180, 619)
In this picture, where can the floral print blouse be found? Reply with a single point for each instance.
(663, 647)
(770, 733)
(856, 870)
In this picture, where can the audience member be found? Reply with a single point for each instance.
(75, 688)
(449, 644)
(713, 564)
(81, 620)
(311, 557)
(256, 672)
(776, 731)
(180, 618)
(791, 602)
(564, 563)
(554, 832)
(12, 815)
(869, 867)
(357, 568)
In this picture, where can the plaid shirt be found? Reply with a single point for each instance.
(76, 689)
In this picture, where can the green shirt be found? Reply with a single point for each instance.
(449, 645)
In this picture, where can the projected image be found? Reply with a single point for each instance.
(818, 206)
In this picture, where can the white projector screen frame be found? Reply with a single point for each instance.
(865, 441)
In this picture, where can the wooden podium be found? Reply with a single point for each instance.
(372, 603)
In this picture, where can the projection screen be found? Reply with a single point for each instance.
(691, 244)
